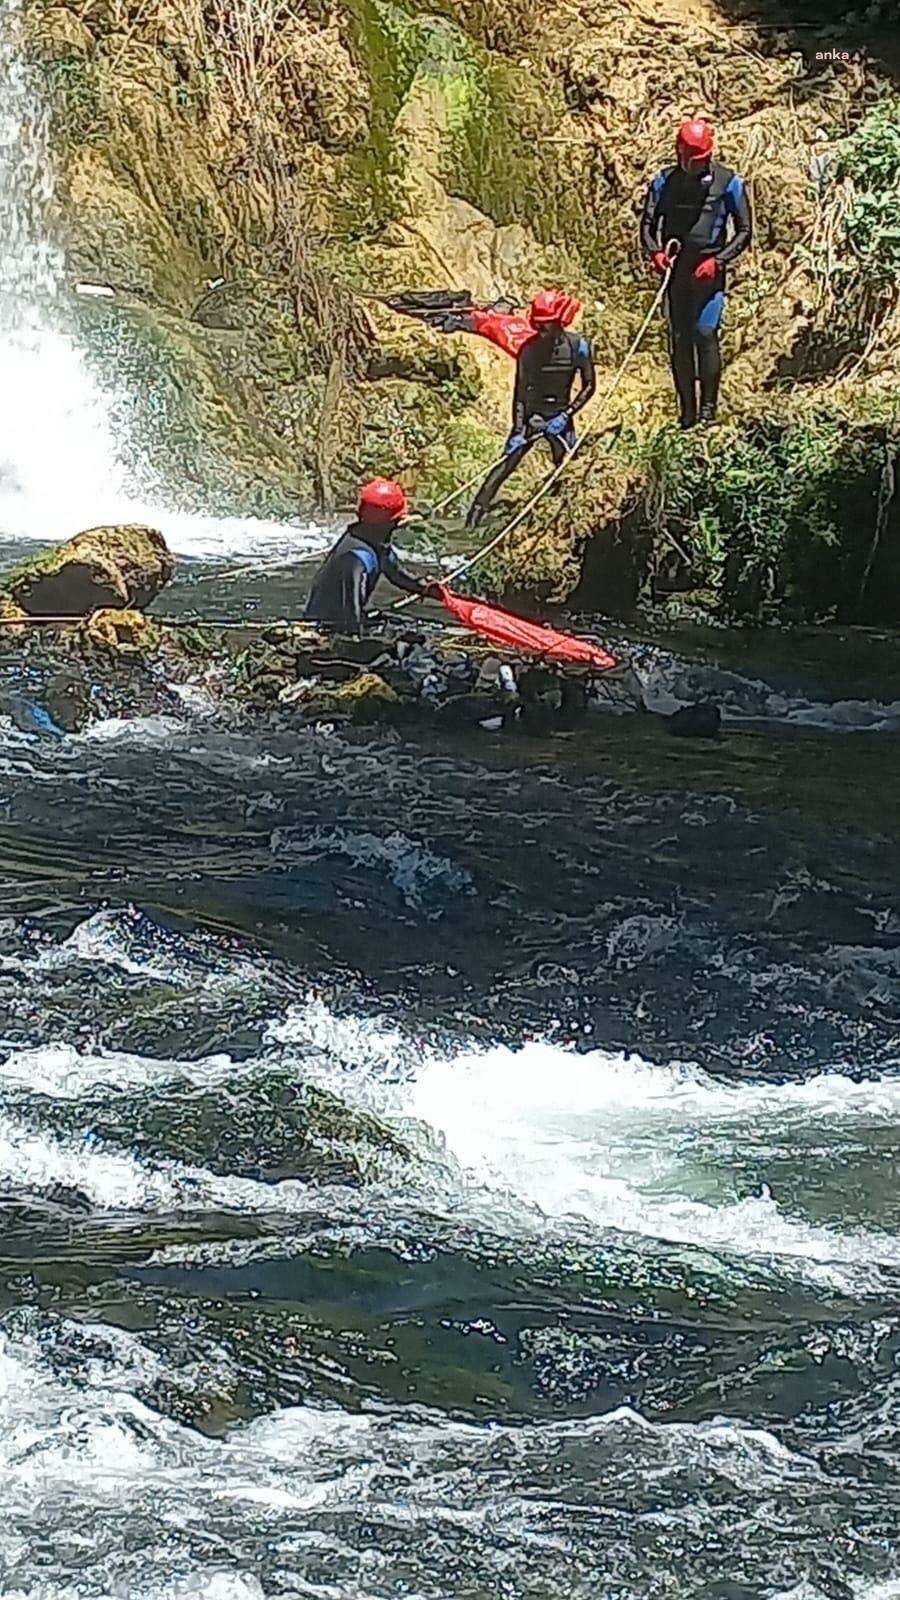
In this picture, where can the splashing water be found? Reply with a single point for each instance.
(60, 464)
(57, 455)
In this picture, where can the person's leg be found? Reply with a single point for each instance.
(681, 317)
(709, 357)
(494, 481)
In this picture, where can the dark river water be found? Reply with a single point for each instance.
(457, 1169)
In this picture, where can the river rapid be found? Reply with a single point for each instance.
(456, 1169)
(448, 1169)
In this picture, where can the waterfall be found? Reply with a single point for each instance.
(59, 464)
(58, 467)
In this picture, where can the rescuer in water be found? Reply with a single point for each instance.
(689, 206)
(548, 359)
(343, 585)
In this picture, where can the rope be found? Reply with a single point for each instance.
(550, 480)
(163, 619)
(455, 493)
(464, 566)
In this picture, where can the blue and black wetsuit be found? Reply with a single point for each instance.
(694, 208)
(546, 369)
(343, 585)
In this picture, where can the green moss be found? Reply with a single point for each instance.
(467, 447)
(179, 414)
(68, 84)
(383, 44)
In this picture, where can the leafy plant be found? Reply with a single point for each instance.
(773, 515)
(869, 163)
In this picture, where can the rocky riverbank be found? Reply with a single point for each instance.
(240, 195)
(69, 657)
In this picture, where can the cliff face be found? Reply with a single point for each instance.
(244, 174)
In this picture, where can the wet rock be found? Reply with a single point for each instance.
(60, 1198)
(330, 670)
(397, 679)
(365, 698)
(127, 630)
(618, 690)
(471, 710)
(122, 566)
(67, 699)
(701, 721)
(540, 689)
(361, 651)
(574, 698)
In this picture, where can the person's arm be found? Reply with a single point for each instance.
(586, 373)
(392, 570)
(737, 205)
(650, 219)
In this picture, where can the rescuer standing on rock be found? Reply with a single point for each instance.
(687, 209)
(548, 359)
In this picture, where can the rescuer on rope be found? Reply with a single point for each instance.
(689, 205)
(343, 585)
(548, 359)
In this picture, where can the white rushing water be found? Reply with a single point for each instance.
(60, 463)
(536, 1141)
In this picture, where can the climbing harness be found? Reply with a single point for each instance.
(551, 479)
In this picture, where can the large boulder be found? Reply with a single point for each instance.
(104, 568)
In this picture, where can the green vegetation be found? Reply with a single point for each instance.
(869, 164)
(777, 519)
(381, 45)
(67, 82)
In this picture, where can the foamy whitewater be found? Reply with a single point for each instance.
(571, 1161)
(430, 1173)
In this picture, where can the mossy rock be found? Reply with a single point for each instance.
(102, 568)
(128, 630)
(365, 698)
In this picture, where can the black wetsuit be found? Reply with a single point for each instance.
(546, 368)
(343, 585)
(694, 208)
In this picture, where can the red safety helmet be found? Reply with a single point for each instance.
(381, 501)
(553, 305)
(694, 142)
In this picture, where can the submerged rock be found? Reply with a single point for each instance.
(701, 721)
(113, 567)
(67, 700)
(364, 698)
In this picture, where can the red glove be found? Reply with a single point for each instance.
(706, 269)
(660, 262)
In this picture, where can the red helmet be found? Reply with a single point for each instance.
(553, 305)
(381, 501)
(694, 142)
